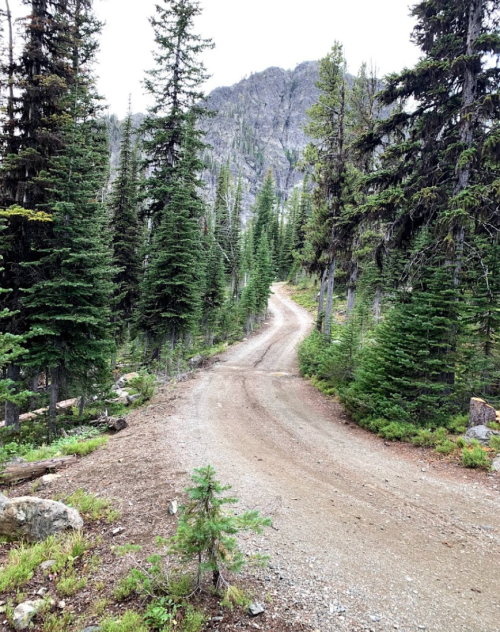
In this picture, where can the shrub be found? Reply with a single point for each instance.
(91, 506)
(194, 620)
(495, 443)
(475, 457)
(446, 447)
(83, 448)
(397, 431)
(145, 385)
(130, 622)
(309, 353)
(461, 443)
(458, 424)
(424, 438)
(161, 614)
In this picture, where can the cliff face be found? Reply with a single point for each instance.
(259, 125)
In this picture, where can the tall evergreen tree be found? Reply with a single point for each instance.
(175, 86)
(126, 231)
(70, 303)
(169, 307)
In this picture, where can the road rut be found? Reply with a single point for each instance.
(363, 537)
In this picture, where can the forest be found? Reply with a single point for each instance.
(152, 316)
(395, 224)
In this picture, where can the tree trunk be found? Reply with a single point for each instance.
(329, 299)
(321, 303)
(351, 290)
(376, 304)
(55, 384)
(35, 381)
(26, 471)
(12, 409)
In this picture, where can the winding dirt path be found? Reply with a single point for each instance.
(363, 537)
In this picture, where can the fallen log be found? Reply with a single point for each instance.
(16, 472)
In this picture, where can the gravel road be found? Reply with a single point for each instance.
(364, 538)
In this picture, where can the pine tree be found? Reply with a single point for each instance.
(214, 285)
(126, 232)
(70, 304)
(31, 137)
(169, 307)
(263, 274)
(265, 204)
(175, 85)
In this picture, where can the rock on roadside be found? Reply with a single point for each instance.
(25, 612)
(482, 434)
(36, 518)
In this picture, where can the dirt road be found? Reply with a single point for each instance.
(364, 538)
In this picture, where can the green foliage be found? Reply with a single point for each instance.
(495, 443)
(145, 385)
(397, 431)
(130, 622)
(475, 457)
(69, 583)
(446, 447)
(161, 614)
(92, 507)
(429, 438)
(84, 448)
(206, 532)
(24, 559)
(309, 353)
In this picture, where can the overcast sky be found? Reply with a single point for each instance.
(251, 36)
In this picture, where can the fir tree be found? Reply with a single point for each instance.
(126, 231)
(170, 293)
(175, 85)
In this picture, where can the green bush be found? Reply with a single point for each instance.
(458, 424)
(130, 622)
(446, 447)
(145, 385)
(397, 431)
(83, 448)
(495, 443)
(476, 457)
(461, 443)
(309, 353)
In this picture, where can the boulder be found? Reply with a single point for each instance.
(255, 609)
(197, 361)
(482, 434)
(495, 466)
(125, 379)
(25, 612)
(481, 413)
(36, 518)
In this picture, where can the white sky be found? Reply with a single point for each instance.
(250, 36)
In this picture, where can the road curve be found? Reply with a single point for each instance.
(385, 541)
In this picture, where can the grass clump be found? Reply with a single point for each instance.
(495, 443)
(130, 622)
(475, 457)
(69, 584)
(397, 431)
(58, 622)
(83, 448)
(24, 559)
(446, 447)
(92, 507)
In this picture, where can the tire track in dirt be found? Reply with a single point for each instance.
(354, 518)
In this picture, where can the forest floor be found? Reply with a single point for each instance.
(367, 535)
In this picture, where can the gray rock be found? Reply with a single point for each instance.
(48, 564)
(42, 592)
(36, 519)
(495, 466)
(173, 507)
(25, 612)
(16, 460)
(482, 434)
(133, 398)
(255, 609)
(92, 628)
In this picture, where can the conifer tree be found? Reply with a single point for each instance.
(175, 86)
(70, 303)
(265, 204)
(214, 285)
(327, 155)
(170, 306)
(126, 232)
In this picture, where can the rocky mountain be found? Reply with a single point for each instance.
(258, 125)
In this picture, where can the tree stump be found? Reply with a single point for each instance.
(481, 413)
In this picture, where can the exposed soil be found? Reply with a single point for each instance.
(366, 535)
